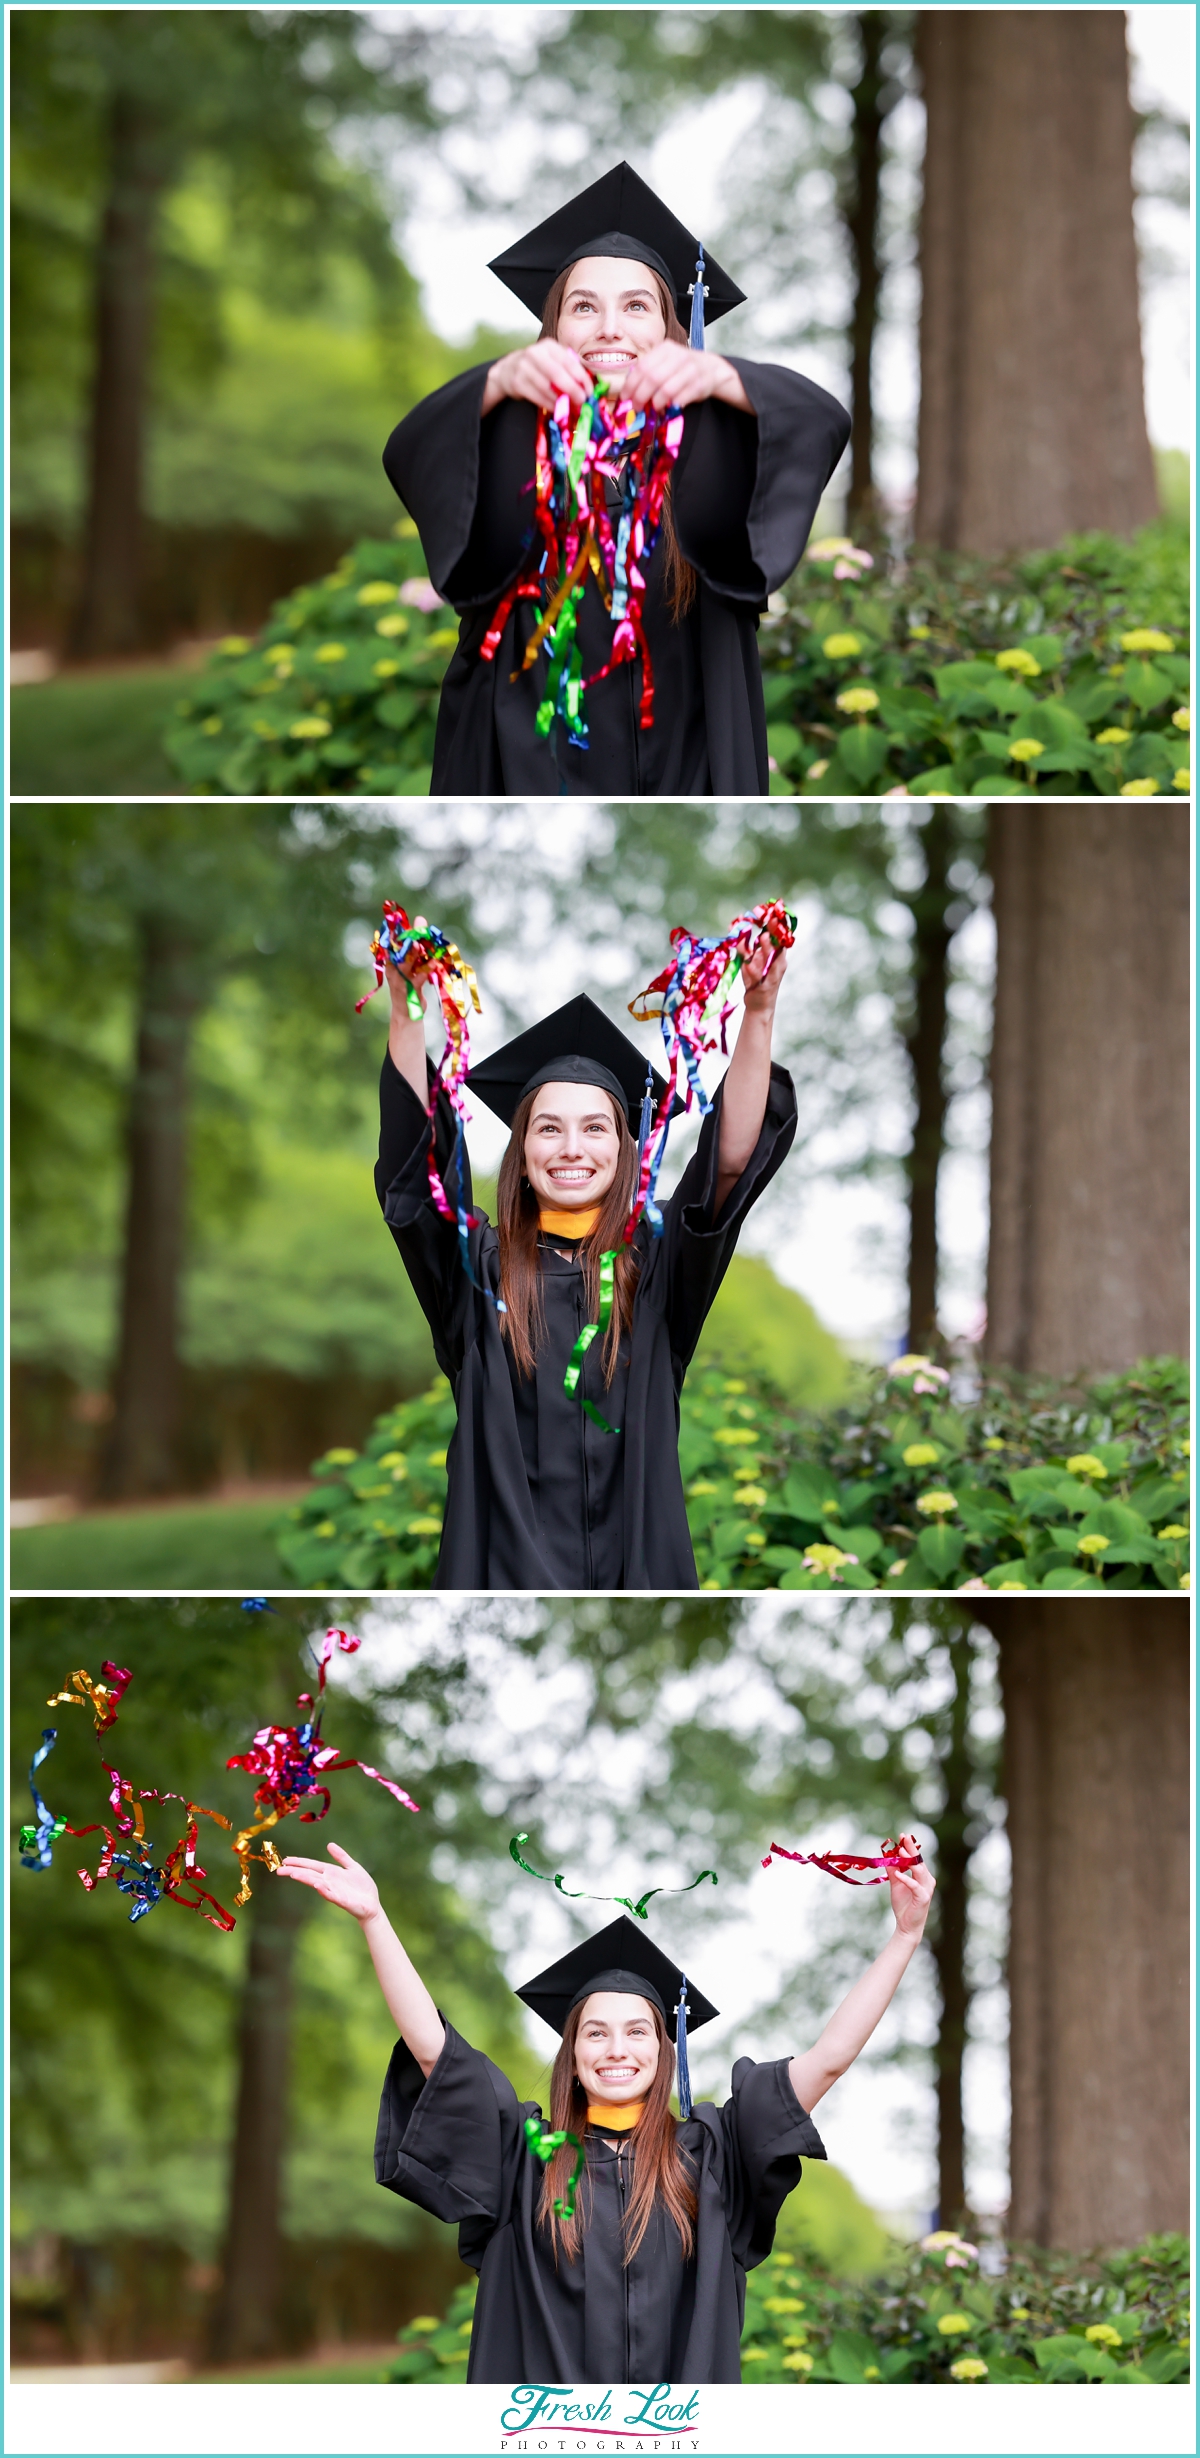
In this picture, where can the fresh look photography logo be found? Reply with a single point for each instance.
(538, 2415)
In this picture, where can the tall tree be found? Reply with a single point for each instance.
(1098, 1784)
(1088, 1263)
(1029, 292)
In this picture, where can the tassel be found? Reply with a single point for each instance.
(698, 291)
(647, 1117)
(682, 2077)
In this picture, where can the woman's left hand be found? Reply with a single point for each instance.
(912, 1893)
(670, 376)
(762, 974)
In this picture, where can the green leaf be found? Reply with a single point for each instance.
(941, 1549)
(964, 675)
(850, 2353)
(865, 1542)
(805, 1488)
(1145, 685)
(935, 781)
(784, 744)
(1046, 647)
(397, 709)
(862, 750)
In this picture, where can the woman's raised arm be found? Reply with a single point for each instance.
(748, 1076)
(850, 2028)
(408, 2001)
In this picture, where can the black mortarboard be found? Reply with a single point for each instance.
(621, 1958)
(617, 216)
(576, 1045)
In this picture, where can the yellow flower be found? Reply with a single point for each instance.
(937, 1504)
(751, 1496)
(1172, 1535)
(731, 1434)
(391, 627)
(831, 1509)
(781, 2304)
(1182, 780)
(330, 653)
(918, 631)
(424, 1527)
(797, 2362)
(871, 2372)
(211, 725)
(377, 593)
(437, 1459)
(425, 2321)
(704, 1485)
(1183, 719)
(325, 1527)
(1185, 1578)
(1012, 1587)
(280, 653)
(754, 1536)
(1086, 1464)
(994, 1442)
(233, 647)
(268, 732)
(858, 700)
(734, 1388)
(842, 644)
(384, 666)
(443, 639)
(1092, 1544)
(969, 2368)
(921, 1455)
(1020, 2312)
(826, 550)
(1186, 1446)
(339, 1459)
(747, 1469)
(818, 768)
(1102, 2334)
(310, 729)
(1140, 785)
(1017, 661)
(1115, 734)
(753, 2355)
(1146, 642)
(952, 2325)
(894, 1568)
(405, 527)
(1027, 748)
(827, 1557)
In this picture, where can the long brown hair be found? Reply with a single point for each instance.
(660, 2171)
(680, 577)
(521, 1281)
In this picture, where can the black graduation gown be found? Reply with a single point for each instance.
(538, 1496)
(455, 2145)
(744, 491)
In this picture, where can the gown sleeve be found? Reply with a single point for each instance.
(466, 481)
(428, 1244)
(451, 2142)
(698, 1250)
(764, 2133)
(746, 490)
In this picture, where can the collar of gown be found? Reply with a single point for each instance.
(578, 1224)
(615, 2120)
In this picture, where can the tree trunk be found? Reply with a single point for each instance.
(1088, 1260)
(108, 618)
(862, 229)
(246, 2319)
(931, 958)
(1098, 1785)
(1032, 419)
(140, 1455)
(949, 1943)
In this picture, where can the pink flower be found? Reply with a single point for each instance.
(422, 595)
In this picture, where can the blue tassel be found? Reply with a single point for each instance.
(647, 1117)
(699, 291)
(682, 2077)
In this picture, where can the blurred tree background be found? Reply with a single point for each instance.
(141, 2227)
(215, 322)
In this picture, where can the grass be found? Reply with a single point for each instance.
(86, 734)
(189, 1545)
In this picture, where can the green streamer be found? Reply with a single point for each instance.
(580, 1894)
(544, 2144)
(584, 1342)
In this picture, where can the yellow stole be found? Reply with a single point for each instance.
(616, 2120)
(569, 1224)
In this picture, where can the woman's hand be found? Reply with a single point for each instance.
(399, 976)
(540, 373)
(350, 1886)
(912, 1894)
(762, 974)
(670, 376)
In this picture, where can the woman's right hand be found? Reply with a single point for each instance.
(398, 978)
(540, 373)
(350, 1886)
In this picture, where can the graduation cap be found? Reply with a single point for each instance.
(576, 1045)
(620, 216)
(625, 1961)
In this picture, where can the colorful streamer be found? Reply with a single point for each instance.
(544, 2144)
(35, 1842)
(104, 1696)
(701, 972)
(574, 535)
(290, 1760)
(890, 1859)
(578, 1894)
(458, 992)
(134, 1869)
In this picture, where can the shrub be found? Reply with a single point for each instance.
(1057, 673)
(1017, 1486)
(1039, 2317)
(339, 692)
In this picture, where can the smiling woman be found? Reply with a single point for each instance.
(611, 275)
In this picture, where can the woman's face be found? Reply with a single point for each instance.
(616, 2048)
(611, 313)
(571, 1146)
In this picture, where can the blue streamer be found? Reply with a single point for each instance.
(36, 1840)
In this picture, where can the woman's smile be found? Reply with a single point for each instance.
(571, 1145)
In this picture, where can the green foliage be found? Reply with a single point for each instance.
(807, 2320)
(950, 665)
(1043, 1487)
(339, 692)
